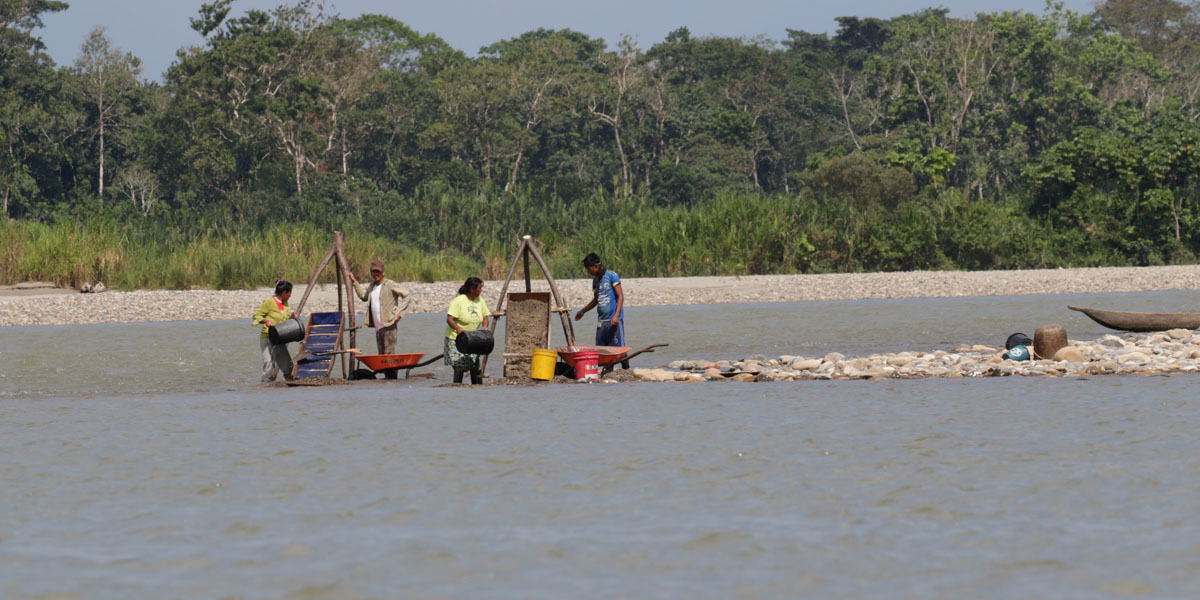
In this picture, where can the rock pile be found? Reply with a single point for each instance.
(1174, 351)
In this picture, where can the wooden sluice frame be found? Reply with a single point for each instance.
(524, 251)
(337, 250)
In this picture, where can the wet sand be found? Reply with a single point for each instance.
(37, 304)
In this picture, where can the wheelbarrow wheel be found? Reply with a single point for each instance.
(563, 369)
(358, 374)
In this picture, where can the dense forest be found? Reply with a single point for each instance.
(1009, 140)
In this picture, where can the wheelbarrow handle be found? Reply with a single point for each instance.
(305, 353)
(428, 362)
(649, 348)
(624, 359)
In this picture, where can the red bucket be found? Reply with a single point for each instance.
(587, 365)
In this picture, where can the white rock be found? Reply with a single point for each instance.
(1133, 358)
(853, 364)
(1112, 341)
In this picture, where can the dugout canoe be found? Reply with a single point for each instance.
(1140, 321)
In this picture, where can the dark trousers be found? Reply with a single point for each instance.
(608, 334)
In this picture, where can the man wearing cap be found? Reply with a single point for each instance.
(386, 304)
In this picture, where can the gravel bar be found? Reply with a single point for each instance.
(19, 307)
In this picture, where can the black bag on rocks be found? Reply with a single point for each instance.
(1017, 339)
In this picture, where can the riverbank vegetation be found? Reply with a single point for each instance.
(1008, 140)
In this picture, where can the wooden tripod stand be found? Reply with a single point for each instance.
(343, 280)
(525, 250)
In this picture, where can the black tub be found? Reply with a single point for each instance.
(479, 341)
(290, 330)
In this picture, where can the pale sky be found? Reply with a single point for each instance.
(154, 29)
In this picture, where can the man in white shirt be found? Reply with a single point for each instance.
(386, 304)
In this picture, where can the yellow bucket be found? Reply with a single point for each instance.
(542, 366)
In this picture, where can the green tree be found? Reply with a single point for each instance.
(26, 98)
(543, 63)
(400, 101)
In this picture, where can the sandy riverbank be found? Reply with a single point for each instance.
(30, 304)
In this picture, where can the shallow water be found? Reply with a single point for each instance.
(145, 461)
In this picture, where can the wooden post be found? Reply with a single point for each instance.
(338, 283)
(504, 288)
(339, 250)
(313, 280)
(525, 258)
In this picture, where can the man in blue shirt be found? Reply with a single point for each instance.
(609, 300)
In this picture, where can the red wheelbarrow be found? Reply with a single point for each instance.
(381, 363)
(606, 356)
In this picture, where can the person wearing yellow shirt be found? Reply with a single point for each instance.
(467, 312)
(272, 312)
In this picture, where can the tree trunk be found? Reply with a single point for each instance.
(512, 178)
(625, 184)
(299, 169)
(843, 95)
(345, 154)
(101, 184)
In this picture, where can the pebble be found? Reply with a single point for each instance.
(1130, 353)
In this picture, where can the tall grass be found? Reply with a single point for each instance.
(67, 253)
(12, 248)
(72, 254)
(439, 234)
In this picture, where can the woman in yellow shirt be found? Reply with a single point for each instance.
(467, 312)
(272, 311)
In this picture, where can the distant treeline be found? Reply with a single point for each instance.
(1009, 140)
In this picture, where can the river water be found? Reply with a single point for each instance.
(144, 460)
